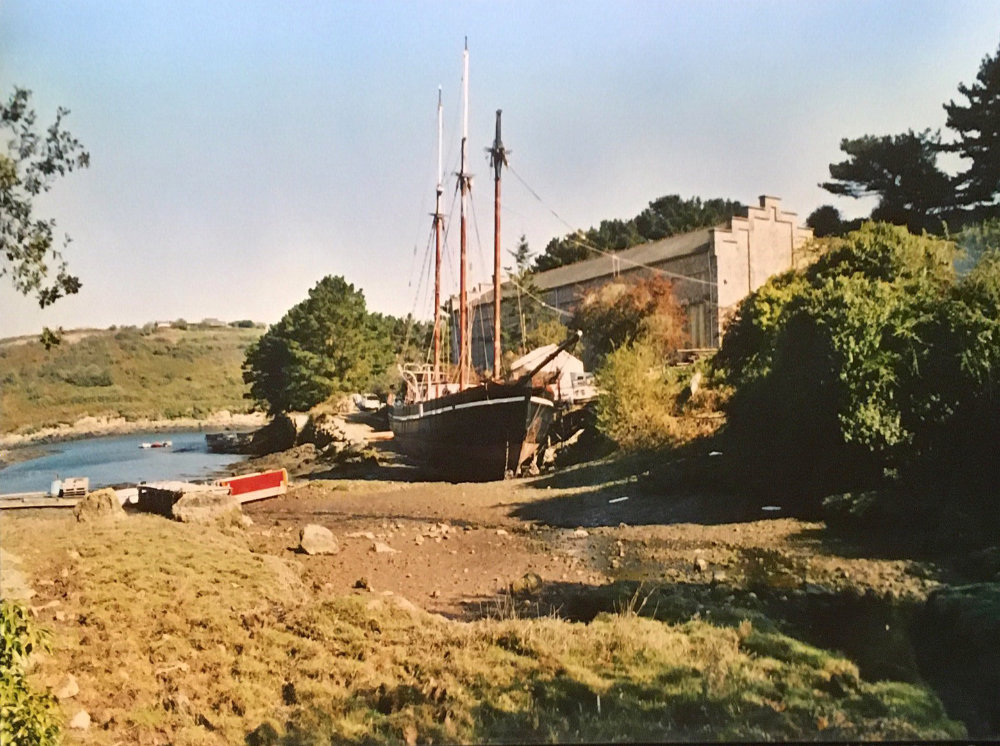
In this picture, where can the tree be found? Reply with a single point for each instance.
(825, 220)
(326, 344)
(28, 168)
(664, 217)
(618, 314)
(673, 215)
(901, 170)
(978, 126)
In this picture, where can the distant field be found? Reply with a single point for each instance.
(127, 372)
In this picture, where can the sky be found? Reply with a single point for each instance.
(240, 151)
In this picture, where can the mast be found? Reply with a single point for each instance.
(438, 221)
(464, 345)
(498, 159)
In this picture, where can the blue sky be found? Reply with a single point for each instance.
(242, 150)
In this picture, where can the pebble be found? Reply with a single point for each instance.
(67, 688)
(80, 721)
(581, 533)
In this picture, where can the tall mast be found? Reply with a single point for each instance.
(464, 346)
(438, 220)
(498, 159)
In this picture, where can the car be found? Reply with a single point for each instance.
(367, 402)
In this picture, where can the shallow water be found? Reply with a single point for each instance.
(116, 460)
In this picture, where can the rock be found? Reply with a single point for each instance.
(100, 505)
(719, 577)
(435, 594)
(527, 583)
(246, 521)
(206, 506)
(67, 687)
(362, 584)
(502, 532)
(315, 539)
(382, 548)
(279, 434)
(80, 721)
(361, 535)
(323, 429)
(581, 533)
(418, 540)
(700, 564)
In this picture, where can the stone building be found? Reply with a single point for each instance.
(712, 269)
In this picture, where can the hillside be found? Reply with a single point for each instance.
(127, 372)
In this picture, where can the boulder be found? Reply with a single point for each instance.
(279, 434)
(315, 539)
(100, 505)
(530, 582)
(205, 506)
(322, 429)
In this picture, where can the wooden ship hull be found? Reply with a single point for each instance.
(483, 433)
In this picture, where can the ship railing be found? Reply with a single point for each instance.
(422, 382)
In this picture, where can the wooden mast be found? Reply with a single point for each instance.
(464, 346)
(438, 224)
(498, 159)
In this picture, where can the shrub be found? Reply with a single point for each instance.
(28, 716)
(873, 362)
(636, 405)
(87, 376)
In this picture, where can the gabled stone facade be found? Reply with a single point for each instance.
(712, 269)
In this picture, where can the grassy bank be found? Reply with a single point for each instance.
(128, 372)
(180, 633)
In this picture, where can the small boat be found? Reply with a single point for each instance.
(157, 444)
(257, 486)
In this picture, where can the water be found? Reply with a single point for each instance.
(116, 460)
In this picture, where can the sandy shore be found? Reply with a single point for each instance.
(87, 427)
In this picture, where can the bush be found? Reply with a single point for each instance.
(645, 405)
(28, 716)
(87, 376)
(874, 362)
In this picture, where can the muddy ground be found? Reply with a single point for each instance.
(458, 548)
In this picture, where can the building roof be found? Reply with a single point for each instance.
(652, 252)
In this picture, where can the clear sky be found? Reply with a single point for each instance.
(240, 151)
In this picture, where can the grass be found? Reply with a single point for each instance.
(127, 372)
(177, 632)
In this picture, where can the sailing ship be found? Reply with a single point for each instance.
(465, 431)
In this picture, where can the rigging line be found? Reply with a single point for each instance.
(625, 260)
(479, 245)
(424, 271)
(590, 247)
(527, 292)
(420, 283)
(447, 254)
